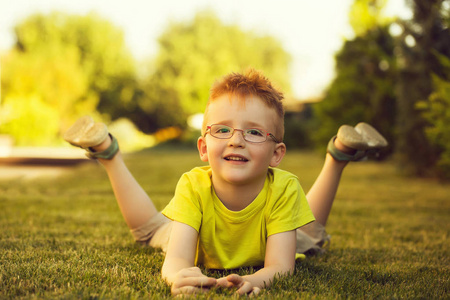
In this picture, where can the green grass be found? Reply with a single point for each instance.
(65, 237)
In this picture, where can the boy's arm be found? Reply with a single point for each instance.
(178, 268)
(279, 260)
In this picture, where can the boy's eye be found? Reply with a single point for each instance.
(223, 130)
(255, 132)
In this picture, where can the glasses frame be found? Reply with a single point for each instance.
(265, 134)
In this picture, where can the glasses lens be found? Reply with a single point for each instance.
(221, 131)
(254, 135)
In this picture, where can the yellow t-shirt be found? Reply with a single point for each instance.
(232, 239)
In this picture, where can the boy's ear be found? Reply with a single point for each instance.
(278, 154)
(202, 150)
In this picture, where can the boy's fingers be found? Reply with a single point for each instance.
(235, 279)
(223, 282)
(196, 282)
(248, 289)
(255, 291)
(245, 289)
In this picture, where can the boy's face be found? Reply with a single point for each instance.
(235, 160)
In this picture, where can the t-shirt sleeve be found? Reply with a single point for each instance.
(290, 209)
(185, 206)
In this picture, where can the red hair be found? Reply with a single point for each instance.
(250, 83)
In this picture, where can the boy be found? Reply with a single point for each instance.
(240, 210)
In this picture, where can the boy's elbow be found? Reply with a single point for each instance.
(291, 270)
(282, 269)
(287, 269)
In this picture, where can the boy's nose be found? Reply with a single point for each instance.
(237, 139)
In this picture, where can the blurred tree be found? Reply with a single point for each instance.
(195, 53)
(363, 89)
(39, 89)
(365, 15)
(437, 113)
(61, 67)
(425, 37)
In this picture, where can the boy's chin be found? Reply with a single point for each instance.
(242, 178)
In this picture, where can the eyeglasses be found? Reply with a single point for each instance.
(252, 135)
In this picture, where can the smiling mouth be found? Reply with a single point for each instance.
(235, 158)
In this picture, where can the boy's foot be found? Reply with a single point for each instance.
(86, 133)
(361, 137)
(349, 137)
(372, 137)
(361, 140)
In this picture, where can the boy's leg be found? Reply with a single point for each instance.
(147, 225)
(312, 237)
(134, 203)
(321, 195)
(350, 144)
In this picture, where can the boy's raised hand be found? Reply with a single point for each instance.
(191, 281)
(235, 281)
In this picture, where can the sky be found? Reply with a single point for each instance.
(311, 31)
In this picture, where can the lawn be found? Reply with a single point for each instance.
(65, 237)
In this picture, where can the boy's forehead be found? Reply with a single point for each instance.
(230, 106)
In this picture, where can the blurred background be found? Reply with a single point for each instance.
(145, 68)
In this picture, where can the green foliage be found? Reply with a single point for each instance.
(65, 238)
(437, 112)
(363, 89)
(386, 80)
(39, 90)
(424, 36)
(366, 15)
(64, 66)
(100, 46)
(195, 53)
(300, 128)
(61, 67)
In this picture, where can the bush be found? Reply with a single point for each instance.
(437, 113)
